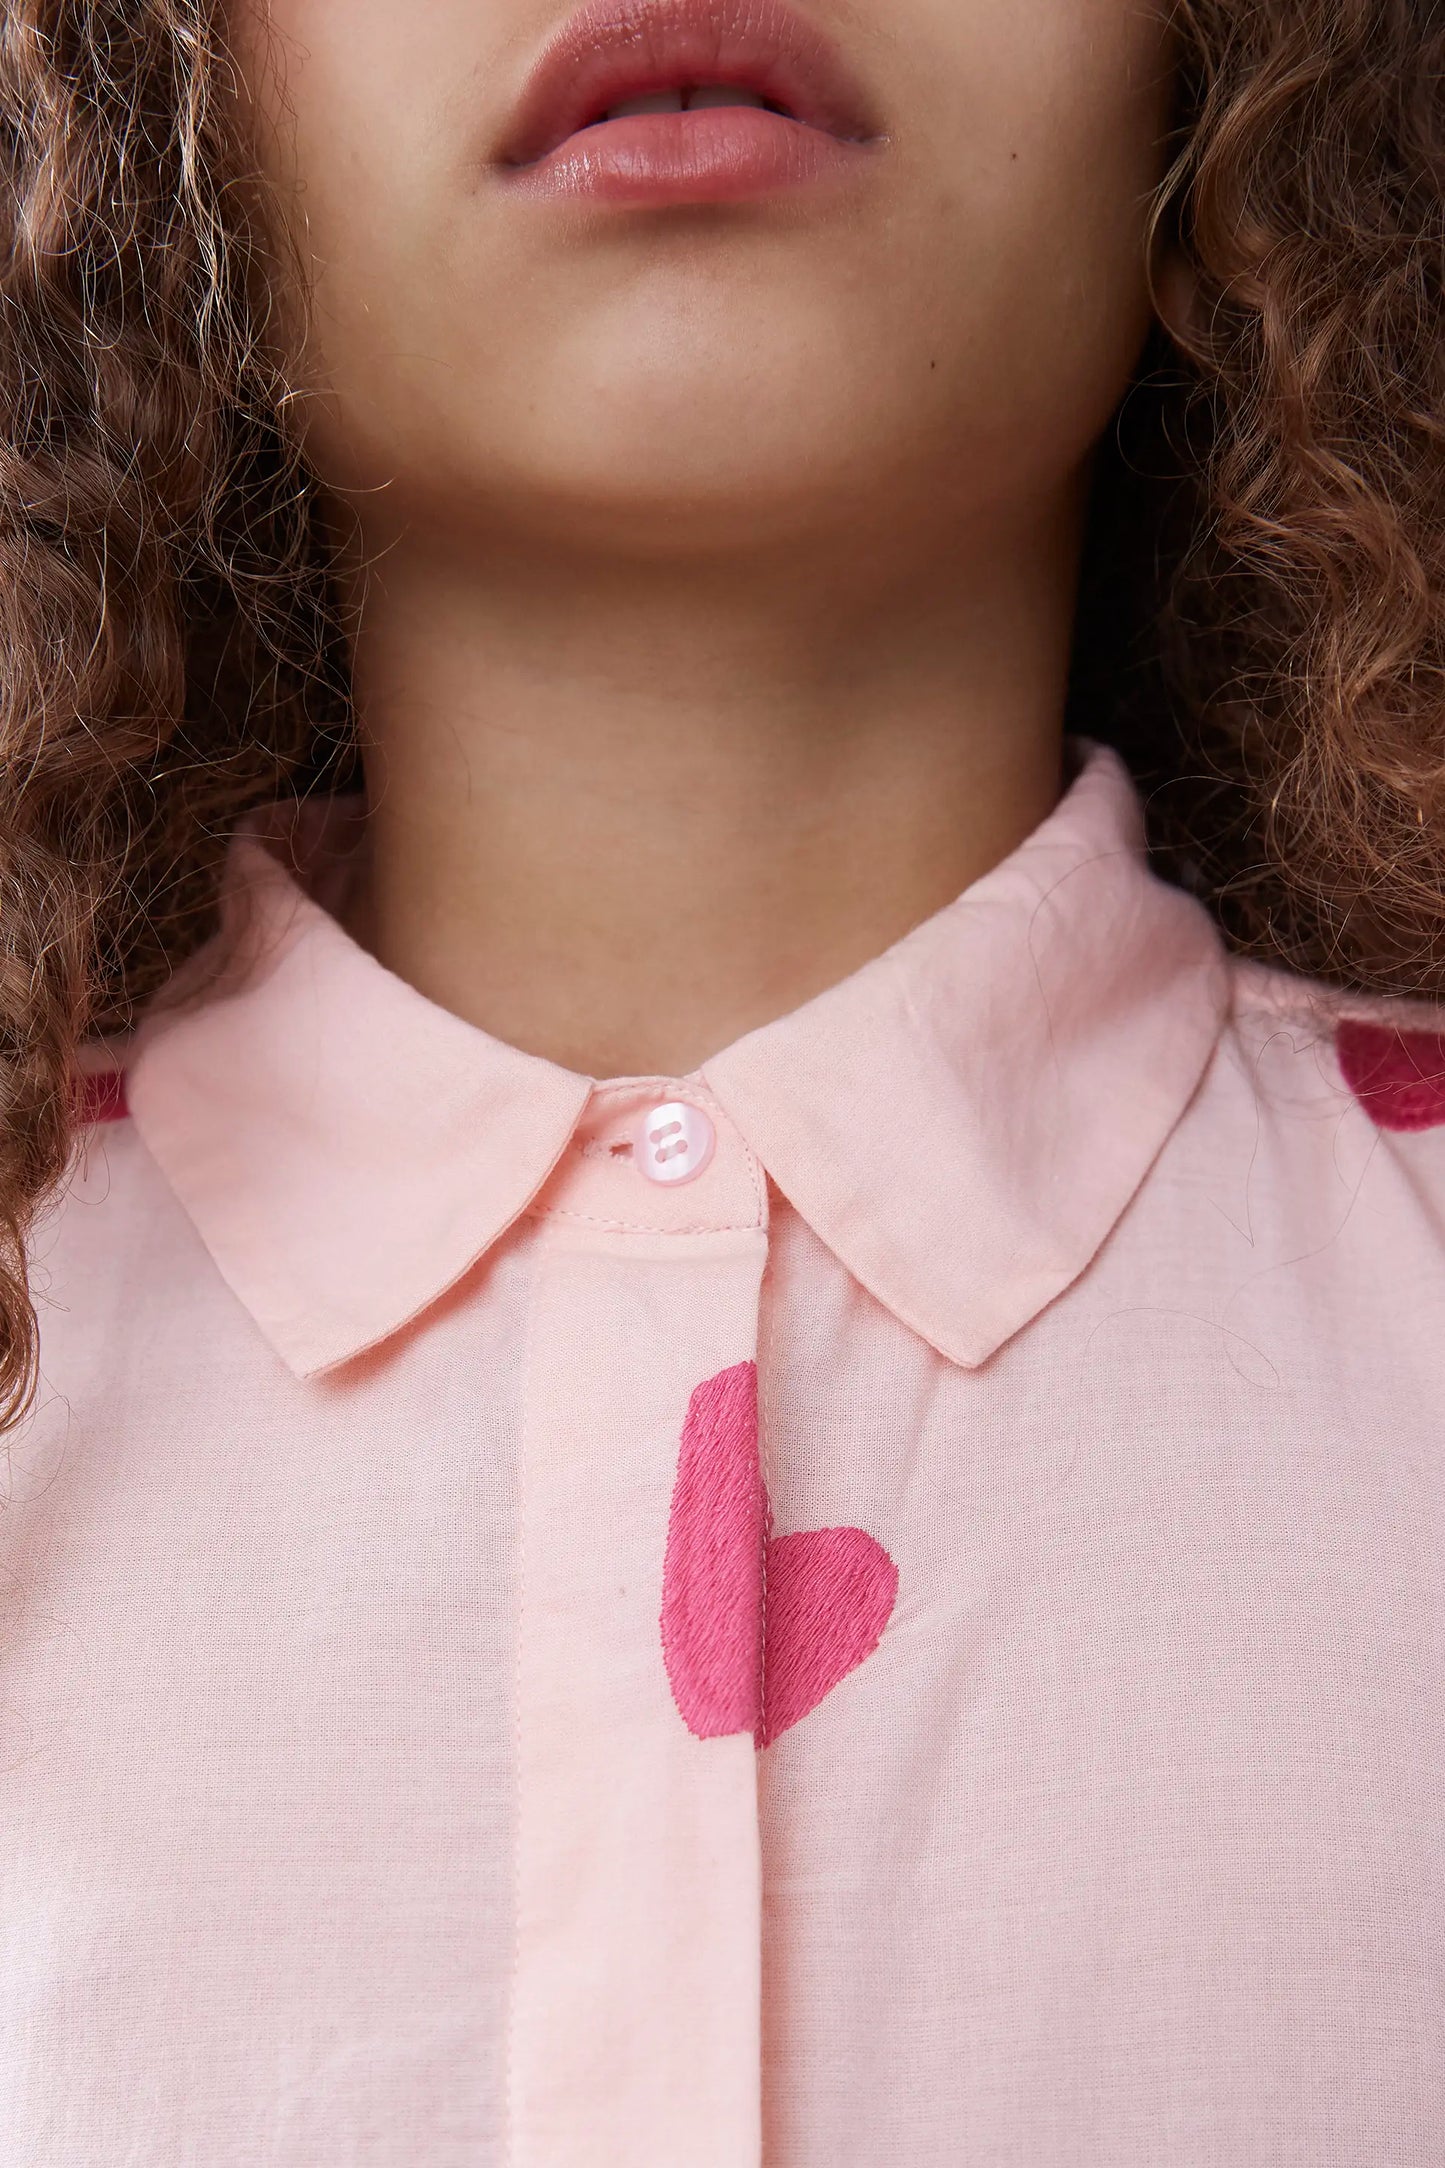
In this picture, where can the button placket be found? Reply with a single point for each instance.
(653, 1153)
(636, 1991)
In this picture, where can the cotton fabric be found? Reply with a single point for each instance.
(1045, 1373)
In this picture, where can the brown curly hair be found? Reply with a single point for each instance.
(1260, 627)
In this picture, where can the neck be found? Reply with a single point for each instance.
(620, 817)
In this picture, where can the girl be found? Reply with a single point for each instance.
(733, 1448)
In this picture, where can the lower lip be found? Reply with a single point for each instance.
(718, 154)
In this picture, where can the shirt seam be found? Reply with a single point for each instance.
(511, 2134)
(643, 1227)
(767, 1319)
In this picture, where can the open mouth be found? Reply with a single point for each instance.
(638, 60)
(697, 98)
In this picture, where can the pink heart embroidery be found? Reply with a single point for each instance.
(829, 1591)
(712, 1576)
(1397, 1076)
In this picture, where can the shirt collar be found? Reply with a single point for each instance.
(961, 1121)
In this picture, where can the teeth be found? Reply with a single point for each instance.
(720, 94)
(663, 101)
(683, 101)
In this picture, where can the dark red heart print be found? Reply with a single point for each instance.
(1397, 1076)
(100, 1097)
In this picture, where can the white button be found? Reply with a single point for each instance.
(673, 1142)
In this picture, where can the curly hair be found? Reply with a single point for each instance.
(169, 643)
(1262, 625)
(1260, 628)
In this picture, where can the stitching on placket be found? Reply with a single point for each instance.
(768, 1336)
(510, 2135)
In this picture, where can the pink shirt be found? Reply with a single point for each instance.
(920, 1643)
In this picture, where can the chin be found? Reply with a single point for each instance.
(647, 495)
(686, 526)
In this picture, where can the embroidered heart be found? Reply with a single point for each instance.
(712, 1575)
(830, 1593)
(1397, 1076)
(827, 1593)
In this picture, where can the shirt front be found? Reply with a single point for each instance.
(876, 1605)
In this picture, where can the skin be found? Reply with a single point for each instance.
(715, 566)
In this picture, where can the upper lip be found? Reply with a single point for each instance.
(614, 50)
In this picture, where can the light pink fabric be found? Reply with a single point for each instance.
(355, 1816)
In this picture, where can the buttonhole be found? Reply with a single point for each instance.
(621, 1150)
